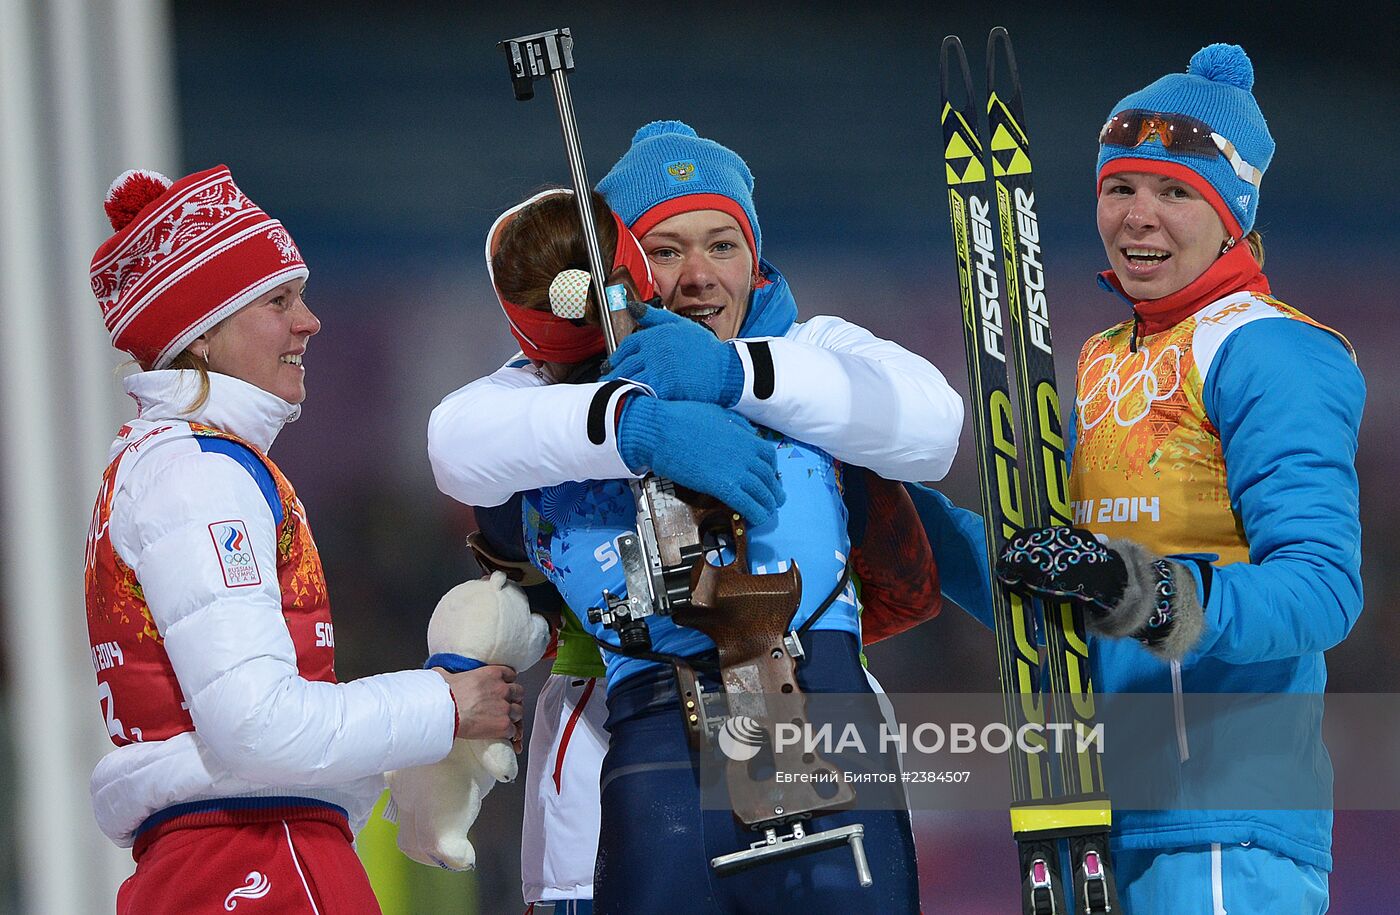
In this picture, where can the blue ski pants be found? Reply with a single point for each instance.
(656, 841)
(1230, 879)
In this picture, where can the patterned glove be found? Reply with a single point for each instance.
(705, 448)
(1127, 590)
(679, 359)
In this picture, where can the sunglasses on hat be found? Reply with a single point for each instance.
(1179, 133)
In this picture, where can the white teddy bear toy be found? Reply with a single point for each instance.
(487, 620)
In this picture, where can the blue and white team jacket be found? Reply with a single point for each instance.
(571, 533)
(825, 381)
(1285, 397)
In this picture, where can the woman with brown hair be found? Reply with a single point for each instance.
(614, 429)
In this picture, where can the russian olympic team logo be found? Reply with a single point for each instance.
(1128, 390)
(235, 550)
(256, 887)
(741, 738)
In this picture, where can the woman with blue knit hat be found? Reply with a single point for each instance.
(826, 388)
(829, 382)
(1217, 547)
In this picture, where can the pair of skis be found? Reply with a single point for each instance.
(996, 234)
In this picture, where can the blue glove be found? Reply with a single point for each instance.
(705, 448)
(679, 360)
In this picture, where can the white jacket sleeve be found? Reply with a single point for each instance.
(232, 653)
(512, 431)
(863, 400)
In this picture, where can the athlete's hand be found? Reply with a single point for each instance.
(1126, 590)
(678, 359)
(490, 704)
(1064, 562)
(705, 448)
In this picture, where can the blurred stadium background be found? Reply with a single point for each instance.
(386, 137)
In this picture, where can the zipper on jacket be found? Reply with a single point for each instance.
(1183, 749)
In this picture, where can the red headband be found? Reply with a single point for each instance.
(543, 335)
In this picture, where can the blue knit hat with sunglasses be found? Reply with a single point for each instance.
(1203, 127)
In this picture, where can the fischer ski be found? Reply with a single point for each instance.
(991, 204)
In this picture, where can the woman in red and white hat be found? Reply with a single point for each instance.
(242, 768)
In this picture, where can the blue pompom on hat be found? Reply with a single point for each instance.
(670, 169)
(1217, 89)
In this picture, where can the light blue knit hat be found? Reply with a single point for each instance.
(1216, 89)
(667, 162)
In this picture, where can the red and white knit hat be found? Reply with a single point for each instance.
(184, 257)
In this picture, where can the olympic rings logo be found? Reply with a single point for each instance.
(1129, 390)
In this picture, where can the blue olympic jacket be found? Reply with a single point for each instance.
(1289, 432)
(571, 530)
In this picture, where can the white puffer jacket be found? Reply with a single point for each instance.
(261, 730)
(832, 384)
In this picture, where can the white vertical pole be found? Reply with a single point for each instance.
(133, 75)
(39, 578)
(86, 91)
(142, 62)
(79, 162)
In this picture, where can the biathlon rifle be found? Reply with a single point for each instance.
(663, 560)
